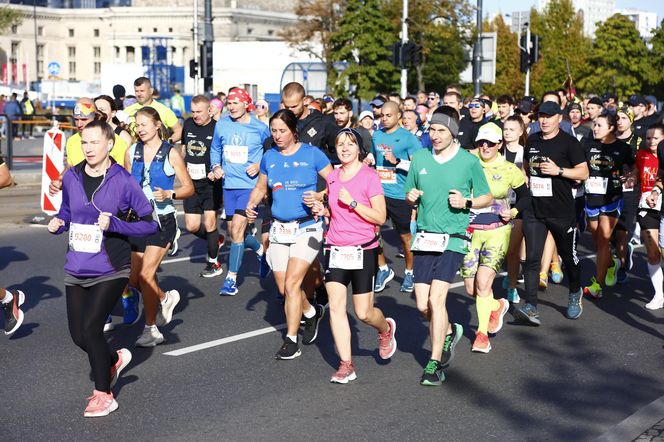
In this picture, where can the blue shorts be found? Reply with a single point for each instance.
(431, 265)
(235, 201)
(612, 209)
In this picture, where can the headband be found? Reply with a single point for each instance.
(357, 136)
(84, 110)
(450, 123)
(242, 96)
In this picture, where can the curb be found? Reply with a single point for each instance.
(636, 424)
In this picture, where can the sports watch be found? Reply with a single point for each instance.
(469, 204)
(353, 204)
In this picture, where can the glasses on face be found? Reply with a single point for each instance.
(483, 143)
(431, 98)
(260, 106)
(474, 106)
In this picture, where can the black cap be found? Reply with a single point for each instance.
(607, 96)
(549, 108)
(595, 100)
(486, 102)
(524, 107)
(576, 106)
(635, 100)
(119, 91)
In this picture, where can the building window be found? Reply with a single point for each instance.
(170, 30)
(270, 31)
(95, 32)
(40, 31)
(14, 29)
(131, 54)
(72, 70)
(116, 51)
(14, 51)
(140, 29)
(71, 51)
(250, 30)
(71, 32)
(96, 50)
(40, 51)
(154, 29)
(97, 68)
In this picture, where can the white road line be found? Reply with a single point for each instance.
(189, 258)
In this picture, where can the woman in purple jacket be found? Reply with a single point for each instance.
(99, 197)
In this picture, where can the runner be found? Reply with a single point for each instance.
(554, 160)
(216, 107)
(607, 160)
(356, 209)
(237, 148)
(394, 147)
(291, 171)
(468, 126)
(197, 133)
(98, 256)
(155, 165)
(107, 106)
(144, 95)
(491, 233)
(442, 182)
(583, 132)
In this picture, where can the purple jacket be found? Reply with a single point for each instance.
(117, 194)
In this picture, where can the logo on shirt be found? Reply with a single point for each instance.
(236, 140)
(286, 166)
(296, 164)
(423, 171)
(312, 132)
(277, 186)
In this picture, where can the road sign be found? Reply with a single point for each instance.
(53, 166)
(53, 68)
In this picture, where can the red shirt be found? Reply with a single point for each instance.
(647, 165)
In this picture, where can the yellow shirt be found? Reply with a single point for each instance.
(166, 114)
(75, 153)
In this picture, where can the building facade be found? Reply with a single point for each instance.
(593, 11)
(644, 21)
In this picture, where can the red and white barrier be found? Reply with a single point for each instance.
(53, 166)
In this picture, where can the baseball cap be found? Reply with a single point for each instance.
(549, 108)
(489, 132)
(651, 99)
(328, 99)
(635, 100)
(365, 114)
(595, 100)
(524, 107)
(576, 106)
(607, 96)
(377, 102)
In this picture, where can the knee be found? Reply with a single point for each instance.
(191, 226)
(210, 225)
(292, 288)
(363, 314)
(424, 311)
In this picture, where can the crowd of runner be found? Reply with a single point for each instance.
(471, 186)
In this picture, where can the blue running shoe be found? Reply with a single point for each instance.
(575, 305)
(513, 296)
(527, 314)
(382, 278)
(407, 285)
(263, 267)
(132, 307)
(506, 282)
(229, 288)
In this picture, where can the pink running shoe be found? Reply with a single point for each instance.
(124, 358)
(100, 404)
(345, 373)
(387, 343)
(497, 316)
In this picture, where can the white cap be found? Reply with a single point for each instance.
(365, 114)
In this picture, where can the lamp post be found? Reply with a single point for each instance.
(404, 40)
(477, 53)
(34, 19)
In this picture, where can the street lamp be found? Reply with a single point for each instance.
(34, 19)
(477, 53)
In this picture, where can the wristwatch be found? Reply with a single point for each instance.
(560, 171)
(353, 204)
(173, 195)
(469, 203)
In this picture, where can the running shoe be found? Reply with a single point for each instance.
(506, 282)
(629, 259)
(131, 306)
(656, 303)
(382, 278)
(229, 288)
(12, 312)
(407, 285)
(594, 290)
(497, 316)
(263, 266)
(387, 342)
(124, 358)
(165, 313)
(611, 278)
(635, 240)
(527, 314)
(513, 295)
(100, 404)
(433, 375)
(345, 373)
(311, 325)
(521, 278)
(575, 305)
(151, 337)
(220, 242)
(211, 270)
(556, 273)
(288, 350)
(174, 245)
(109, 326)
(450, 343)
(622, 277)
(543, 281)
(481, 344)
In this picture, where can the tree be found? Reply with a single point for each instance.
(656, 59)
(509, 79)
(9, 17)
(619, 59)
(362, 42)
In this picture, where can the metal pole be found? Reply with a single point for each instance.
(208, 39)
(197, 51)
(527, 88)
(404, 40)
(477, 53)
(34, 19)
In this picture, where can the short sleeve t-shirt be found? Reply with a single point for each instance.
(197, 140)
(403, 145)
(347, 228)
(166, 115)
(501, 175)
(647, 165)
(606, 163)
(462, 172)
(566, 152)
(289, 176)
(75, 152)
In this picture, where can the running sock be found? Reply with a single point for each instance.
(235, 258)
(384, 268)
(310, 313)
(8, 297)
(483, 305)
(150, 327)
(200, 233)
(212, 244)
(292, 338)
(251, 242)
(656, 277)
(495, 305)
(408, 272)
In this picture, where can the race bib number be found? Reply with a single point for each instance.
(388, 175)
(597, 185)
(196, 171)
(430, 242)
(541, 186)
(85, 238)
(346, 258)
(644, 205)
(236, 154)
(284, 233)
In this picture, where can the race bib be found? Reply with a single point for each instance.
(597, 185)
(236, 154)
(196, 171)
(541, 186)
(644, 205)
(388, 175)
(284, 233)
(430, 242)
(85, 238)
(346, 258)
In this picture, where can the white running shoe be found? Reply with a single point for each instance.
(165, 314)
(151, 337)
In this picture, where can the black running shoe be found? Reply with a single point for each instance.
(310, 332)
(450, 342)
(433, 375)
(288, 350)
(211, 270)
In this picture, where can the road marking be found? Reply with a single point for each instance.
(217, 342)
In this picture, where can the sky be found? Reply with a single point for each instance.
(492, 7)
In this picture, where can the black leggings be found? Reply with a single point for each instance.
(564, 234)
(87, 310)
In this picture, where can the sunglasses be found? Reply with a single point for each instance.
(260, 106)
(485, 142)
(432, 98)
(474, 106)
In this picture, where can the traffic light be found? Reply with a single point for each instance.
(524, 61)
(206, 60)
(535, 49)
(412, 54)
(395, 54)
(193, 68)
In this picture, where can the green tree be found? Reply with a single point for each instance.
(563, 43)
(656, 59)
(509, 79)
(9, 17)
(619, 59)
(361, 41)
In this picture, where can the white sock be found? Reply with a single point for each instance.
(310, 313)
(150, 327)
(292, 338)
(408, 272)
(657, 278)
(8, 297)
(260, 251)
(384, 268)
(212, 260)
